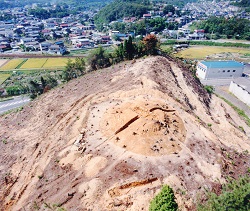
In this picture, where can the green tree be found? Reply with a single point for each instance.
(129, 49)
(168, 8)
(235, 195)
(119, 53)
(98, 58)
(13, 90)
(164, 201)
(74, 69)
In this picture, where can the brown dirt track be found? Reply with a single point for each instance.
(109, 140)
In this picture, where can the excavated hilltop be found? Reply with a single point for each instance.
(110, 139)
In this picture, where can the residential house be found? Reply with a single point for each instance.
(146, 16)
(57, 49)
(105, 39)
(25, 40)
(44, 46)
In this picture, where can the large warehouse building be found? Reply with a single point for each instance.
(219, 69)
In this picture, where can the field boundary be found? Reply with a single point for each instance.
(20, 65)
(44, 62)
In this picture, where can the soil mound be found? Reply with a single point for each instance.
(111, 139)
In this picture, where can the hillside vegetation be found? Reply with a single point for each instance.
(232, 28)
(122, 8)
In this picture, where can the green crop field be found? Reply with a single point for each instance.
(3, 77)
(201, 52)
(56, 62)
(34, 63)
(11, 64)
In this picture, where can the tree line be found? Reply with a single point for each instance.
(231, 27)
(144, 26)
(97, 59)
(120, 9)
(100, 58)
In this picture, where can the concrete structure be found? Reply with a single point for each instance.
(219, 69)
(240, 87)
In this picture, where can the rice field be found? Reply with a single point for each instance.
(3, 77)
(34, 63)
(201, 52)
(11, 64)
(56, 62)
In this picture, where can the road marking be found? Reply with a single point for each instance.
(14, 103)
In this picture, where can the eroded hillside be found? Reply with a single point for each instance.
(109, 140)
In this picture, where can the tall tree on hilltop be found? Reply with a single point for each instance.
(151, 44)
(129, 49)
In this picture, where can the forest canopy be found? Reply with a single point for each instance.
(122, 8)
(232, 28)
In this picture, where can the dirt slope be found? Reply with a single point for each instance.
(109, 140)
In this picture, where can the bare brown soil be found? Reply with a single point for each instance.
(111, 139)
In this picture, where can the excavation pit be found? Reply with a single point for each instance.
(145, 128)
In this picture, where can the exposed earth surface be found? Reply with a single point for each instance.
(110, 139)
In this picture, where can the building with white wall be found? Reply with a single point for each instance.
(240, 87)
(219, 69)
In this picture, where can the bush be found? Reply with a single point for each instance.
(98, 58)
(164, 201)
(209, 89)
(235, 196)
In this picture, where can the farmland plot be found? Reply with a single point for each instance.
(34, 63)
(3, 77)
(11, 64)
(56, 62)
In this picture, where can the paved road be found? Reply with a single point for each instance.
(15, 103)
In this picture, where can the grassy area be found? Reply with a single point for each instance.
(223, 44)
(3, 77)
(34, 63)
(78, 52)
(201, 52)
(239, 111)
(56, 62)
(6, 99)
(11, 64)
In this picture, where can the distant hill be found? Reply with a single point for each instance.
(122, 8)
(78, 3)
(244, 3)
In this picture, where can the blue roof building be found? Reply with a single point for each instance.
(219, 69)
